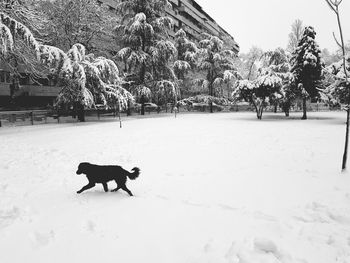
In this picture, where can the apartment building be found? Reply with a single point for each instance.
(190, 16)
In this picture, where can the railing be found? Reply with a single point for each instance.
(25, 116)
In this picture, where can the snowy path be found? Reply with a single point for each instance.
(213, 188)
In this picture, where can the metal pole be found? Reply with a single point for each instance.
(120, 120)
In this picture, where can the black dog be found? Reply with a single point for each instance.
(98, 174)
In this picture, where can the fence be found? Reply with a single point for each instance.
(32, 117)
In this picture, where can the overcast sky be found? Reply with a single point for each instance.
(267, 23)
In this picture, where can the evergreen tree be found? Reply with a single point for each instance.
(146, 50)
(307, 67)
(278, 62)
(214, 60)
(186, 54)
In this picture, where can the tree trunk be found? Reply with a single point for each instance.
(287, 112)
(81, 113)
(143, 109)
(128, 111)
(286, 108)
(304, 109)
(345, 155)
(260, 112)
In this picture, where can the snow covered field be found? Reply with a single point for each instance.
(213, 188)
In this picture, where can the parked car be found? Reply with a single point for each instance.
(206, 107)
(148, 107)
(151, 107)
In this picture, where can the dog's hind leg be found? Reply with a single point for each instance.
(105, 187)
(126, 190)
(115, 190)
(86, 187)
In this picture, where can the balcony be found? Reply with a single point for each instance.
(190, 11)
(190, 24)
(176, 2)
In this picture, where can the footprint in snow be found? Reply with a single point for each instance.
(3, 187)
(8, 216)
(231, 252)
(208, 247)
(227, 207)
(89, 226)
(41, 239)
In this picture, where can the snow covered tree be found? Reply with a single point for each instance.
(278, 62)
(215, 61)
(307, 67)
(79, 21)
(337, 90)
(86, 80)
(261, 91)
(145, 50)
(167, 86)
(186, 54)
(15, 47)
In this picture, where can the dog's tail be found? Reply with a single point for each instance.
(134, 174)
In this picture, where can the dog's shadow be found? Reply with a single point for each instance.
(101, 195)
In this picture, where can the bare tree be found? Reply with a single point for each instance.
(295, 35)
(334, 5)
(248, 66)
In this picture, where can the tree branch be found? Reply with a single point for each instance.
(336, 40)
(330, 4)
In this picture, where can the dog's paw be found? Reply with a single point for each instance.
(79, 192)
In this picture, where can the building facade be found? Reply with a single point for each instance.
(190, 16)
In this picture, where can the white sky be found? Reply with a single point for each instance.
(267, 23)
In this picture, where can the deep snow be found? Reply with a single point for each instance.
(213, 188)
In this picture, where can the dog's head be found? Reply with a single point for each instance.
(82, 168)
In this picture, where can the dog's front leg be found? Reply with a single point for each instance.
(86, 187)
(105, 187)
